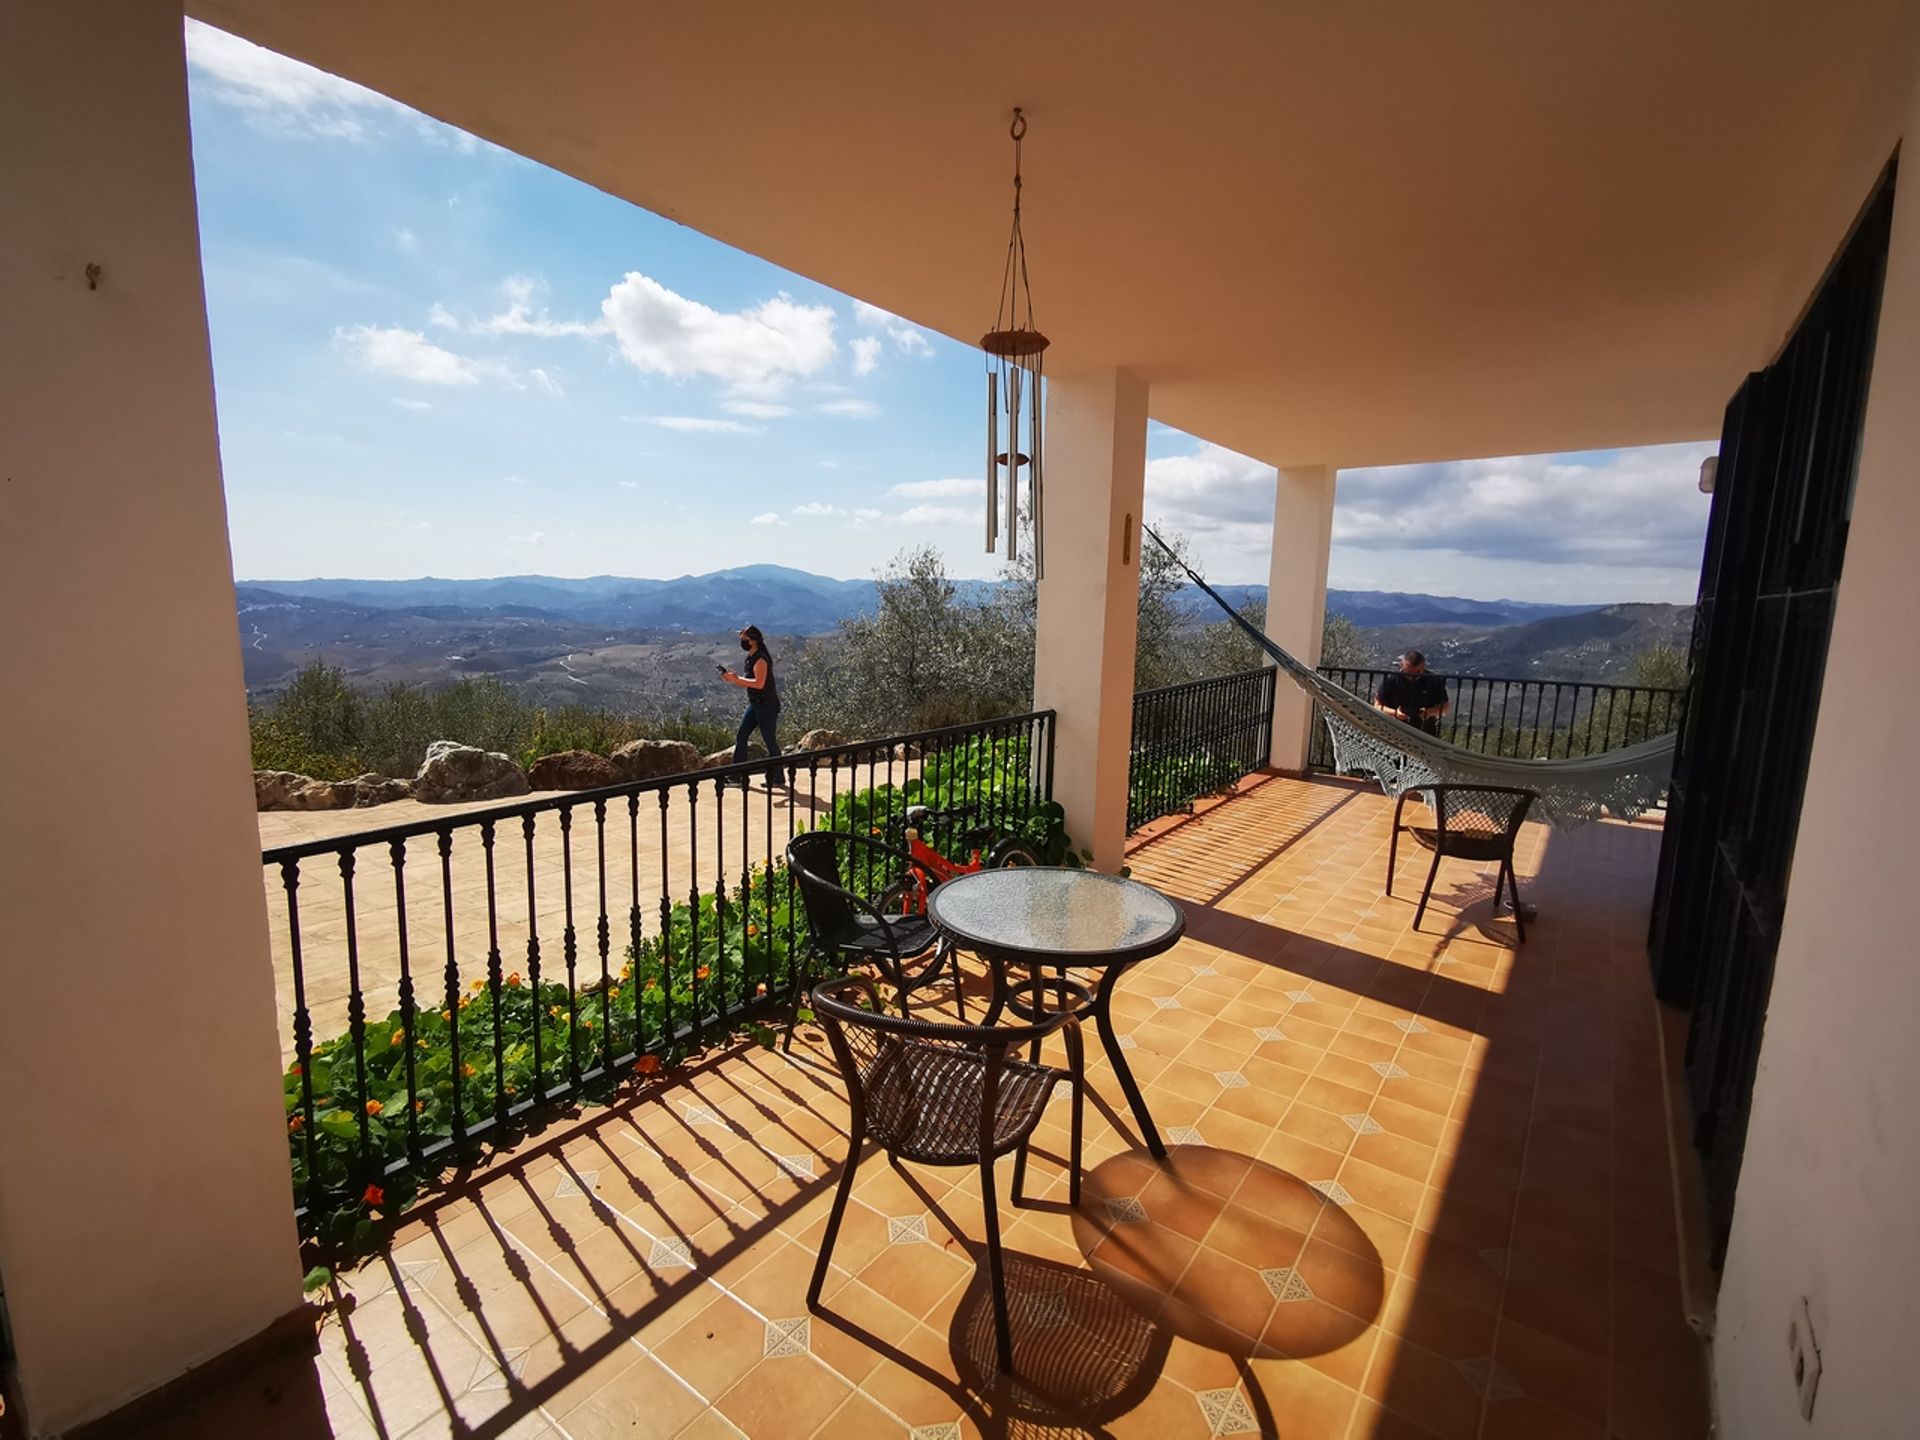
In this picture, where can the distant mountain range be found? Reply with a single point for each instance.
(798, 602)
(653, 643)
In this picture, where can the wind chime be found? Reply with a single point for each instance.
(1014, 349)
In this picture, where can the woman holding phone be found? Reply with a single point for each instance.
(763, 701)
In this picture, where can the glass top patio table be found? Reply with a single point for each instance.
(1046, 918)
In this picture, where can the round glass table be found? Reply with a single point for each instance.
(1043, 918)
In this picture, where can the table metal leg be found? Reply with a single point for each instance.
(1103, 1016)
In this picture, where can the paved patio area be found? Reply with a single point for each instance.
(1420, 1187)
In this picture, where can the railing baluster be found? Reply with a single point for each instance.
(533, 962)
(302, 1029)
(569, 952)
(494, 976)
(456, 1071)
(603, 937)
(665, 1037)
(408, 1018)
(356, 1025)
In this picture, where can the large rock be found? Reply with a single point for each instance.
(649, 759)
(823, 740)
(755, 750)
(286, 790)
(454, 772)
(573, 770)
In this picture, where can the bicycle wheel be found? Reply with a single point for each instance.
(1009, 853)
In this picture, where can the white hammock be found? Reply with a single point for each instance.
(1626, 782)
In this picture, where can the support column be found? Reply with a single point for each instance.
(1090, 600)
(1297, 598)
(146, 1216)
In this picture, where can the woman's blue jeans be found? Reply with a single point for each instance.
(764, 721)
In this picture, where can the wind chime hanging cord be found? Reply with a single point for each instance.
(1625, 782)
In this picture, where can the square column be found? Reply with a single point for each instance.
(1089, 602)
(1297, 598)
(146, 1209)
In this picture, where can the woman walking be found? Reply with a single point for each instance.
(763, 701)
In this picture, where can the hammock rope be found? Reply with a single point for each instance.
(1625, 782)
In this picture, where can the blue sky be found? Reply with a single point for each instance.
(435, 357)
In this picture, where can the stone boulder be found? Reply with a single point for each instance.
(454, 772)
(649, 759)
(573, 770)
(286, 790)
(822, 740)
(755, 751)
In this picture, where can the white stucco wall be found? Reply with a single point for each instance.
(1090, 599)
(145, 1211)
(1829, 1199)
(1297, 597)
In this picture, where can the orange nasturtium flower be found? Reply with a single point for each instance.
(296, 1070)
(701, 973)
(480, 984)
(374, 1107)
(553, 1011)
(399, 1038)
(513, 981)
(753, 930)
(653, 988)
(626, 971)
(761, 988)
(296, 1123)
(647, 1065)
(465, 1001)
(419, 1105)
(374, 1195)
(467, 1070)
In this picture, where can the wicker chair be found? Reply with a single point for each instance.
(858, 930)
(942, 1094)
(1472, 822)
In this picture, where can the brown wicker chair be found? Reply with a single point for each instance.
(942, 1094)
(1472, 822)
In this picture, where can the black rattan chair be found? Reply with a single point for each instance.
(1472, 822)
(942, 1094)
(858, 930)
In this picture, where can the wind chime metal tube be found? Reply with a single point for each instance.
(1014, 348)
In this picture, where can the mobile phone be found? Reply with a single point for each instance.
(721, 669)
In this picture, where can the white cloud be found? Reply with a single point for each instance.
(759, 409)
(1627, 509)
(542, 380)
(767, 519)
(281, 94)
(940, 490)
(866, 354)
(849, 409)
(866, 514)
(817, 507)
(521, 318)
(442, 318)
(755, 350)
(406, 353)
(907, 339)
(406, 239)
(940, 515)
(701, 425)
(538, 537)
(1214, 493)
(629, 484)
(406, 404)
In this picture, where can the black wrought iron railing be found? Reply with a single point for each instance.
(1527, 719)
(1191, 740)
(450, 979)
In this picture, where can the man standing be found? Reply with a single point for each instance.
(1414, 695)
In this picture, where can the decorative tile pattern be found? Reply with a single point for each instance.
(1362, 1124)
(1287, 1284)
(1332, 1190)
(787, 1337)
(1499, 1259)
(1126, 1210)
(1127, 1042)
(1227, 1412)
(575, 1183)
(1167, 1002)
(1230, 1079)
(701, 1115)
(798, 1166)
(946, 1430)
(1300, 997)
(1184, 1135)
(670, 1255)
(1388, 1070)
(1488, 1379)
(1270, 1033)
(1205, 970)
(1412, 1027)
(419, 1272)
(907, 1230)
(490, 1376)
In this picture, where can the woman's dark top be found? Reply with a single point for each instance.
(767, 697)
